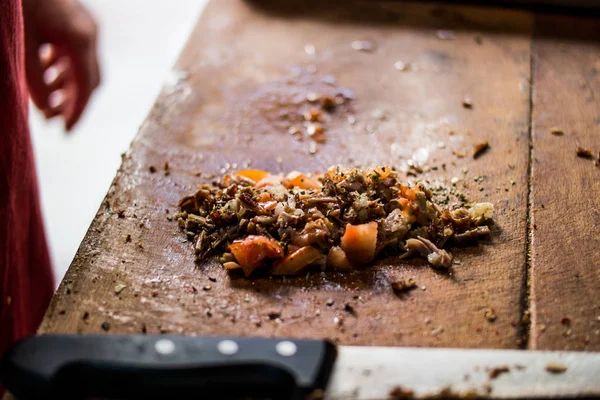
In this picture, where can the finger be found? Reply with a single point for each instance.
(57, 76)
(34, 71)
(57, 104)
(86, 78)
(50, 54)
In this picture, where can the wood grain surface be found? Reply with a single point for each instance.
(242, 81)
(565, 274)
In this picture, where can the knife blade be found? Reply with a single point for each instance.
(78, 366)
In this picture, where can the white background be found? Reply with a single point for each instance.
(139, 42)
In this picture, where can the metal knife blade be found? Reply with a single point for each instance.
(150, 366)
(380, 372)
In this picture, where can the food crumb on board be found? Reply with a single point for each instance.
(363, 45)
(584, 153)
(403, 286)
(119, 288)
(444, 34)
(495, 372)
(327, 103)
(314, 129)
(556, 368)
(556, 131)
(399, 392)
(467, 102)
(401, 66)
(437, 331)
(128, 239)
(312, 97)
(310, 49)
(152, 169)
(490, 314)
(480, 148)
(105, 326)
(312, 115)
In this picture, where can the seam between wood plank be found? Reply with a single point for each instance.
(527, 303)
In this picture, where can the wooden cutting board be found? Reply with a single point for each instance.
(242, 81)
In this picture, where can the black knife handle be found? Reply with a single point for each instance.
(142, 367)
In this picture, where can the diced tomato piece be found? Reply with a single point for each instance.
(337, 260)
(299, 180)
(295, 262)
(255, 174)
(359, 242)
(251, 252)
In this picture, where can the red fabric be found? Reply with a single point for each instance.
(26, 282)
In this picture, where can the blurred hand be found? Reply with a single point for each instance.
(61, 57)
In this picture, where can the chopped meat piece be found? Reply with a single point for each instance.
(479, 210)
(472, 235)
(480, 148)
(436, 257)
(395, 225)
(403, 286)
(584, 153)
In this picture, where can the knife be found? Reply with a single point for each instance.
(135, 367)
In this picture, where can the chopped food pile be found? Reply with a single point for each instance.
(340, 220)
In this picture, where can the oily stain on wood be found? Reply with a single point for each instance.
(239, 84)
